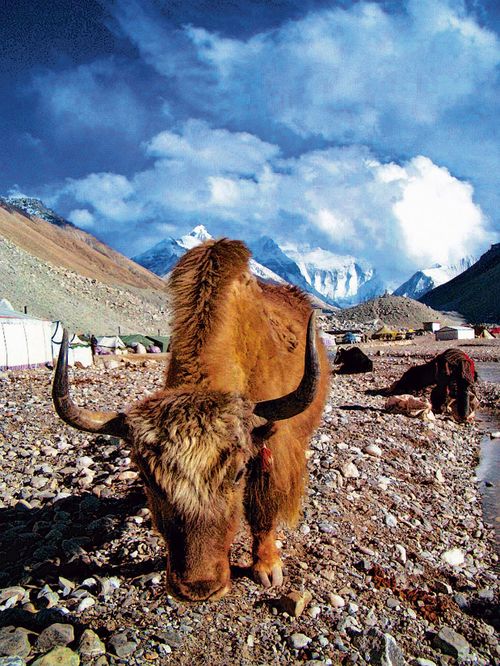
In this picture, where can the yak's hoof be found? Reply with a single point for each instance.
(276, 576)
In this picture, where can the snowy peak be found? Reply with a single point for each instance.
(195, 237)
(339, 279)
(36, 208)
(427, 279)
(163, 256)
(335, 279)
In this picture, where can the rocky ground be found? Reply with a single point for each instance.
(392, 562)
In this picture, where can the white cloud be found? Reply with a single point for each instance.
(82, 217)
(421, 78)
(397, 217)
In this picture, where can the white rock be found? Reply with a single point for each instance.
(454, 557)
(439, 476)
(391, 520)
(337, 601)
(300, 641)
(350, 471)
(373, 450)
(84, 604)
(401, 553)
(314, 611)
(84, 462)
(495, 435)
(342, 446)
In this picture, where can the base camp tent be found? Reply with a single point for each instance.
(79, 351)
(111, 344)
(24, 340)
(455, 333)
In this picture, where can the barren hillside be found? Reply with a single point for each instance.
(82, 303)
(74, 249)
(397, 311)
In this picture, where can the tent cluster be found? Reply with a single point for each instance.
(135, 344)
(28, 342)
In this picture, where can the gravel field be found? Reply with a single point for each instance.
(392, 561)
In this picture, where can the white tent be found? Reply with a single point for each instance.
(79, 351)
(24, 340)
(455, 333)
(111, 343)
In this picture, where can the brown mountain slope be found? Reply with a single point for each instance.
(74, 249)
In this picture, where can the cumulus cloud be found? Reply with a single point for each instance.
(398, 217)
(419, 80)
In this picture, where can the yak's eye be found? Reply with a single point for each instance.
(239, 475)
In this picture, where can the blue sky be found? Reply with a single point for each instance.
(368, 128)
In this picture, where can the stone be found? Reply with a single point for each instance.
(391, 520)
(314, 611)
(299, 641)
(448, 641)
(295, 602)
(59, 656)
(12, 661)
(439, 476)
(121, 645)
(421, 661)
(373, 450)
(14, 642)
(91, 645)
(15, 592)
(386, 651)
(401, 553)
(336, 601)
(55, 635)
(350, 471)
(85, 603)
(454, 557)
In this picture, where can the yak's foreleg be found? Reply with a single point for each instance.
(440, 394)
(261, 510)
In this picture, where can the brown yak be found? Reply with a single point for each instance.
(228, 433)
(452, 374)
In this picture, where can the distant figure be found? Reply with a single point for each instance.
(93, 344)
(353, 361)
(451, 374)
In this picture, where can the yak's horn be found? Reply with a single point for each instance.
(105, 423)
(297, 401)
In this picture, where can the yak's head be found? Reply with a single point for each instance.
(192, 448)
(462, 401)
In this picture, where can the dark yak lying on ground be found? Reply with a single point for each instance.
(227, 434)
(451, 374)
(353, 361)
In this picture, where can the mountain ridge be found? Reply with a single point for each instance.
(475, 293)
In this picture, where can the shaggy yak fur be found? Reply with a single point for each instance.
(205, 456)
(353, 361)
(452, 375)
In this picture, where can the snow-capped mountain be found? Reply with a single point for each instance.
(37, 208)
(163, 256)
(335, 279)
(339, 279)
(429, 278)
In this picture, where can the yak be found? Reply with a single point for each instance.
(451, 374)
(353, 361)
(227, 434)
